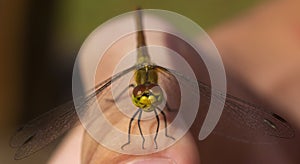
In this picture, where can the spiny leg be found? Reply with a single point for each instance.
(165, 119)
(158, 121)
(139, 120)
(129, 129)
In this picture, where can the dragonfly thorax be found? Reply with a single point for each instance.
(147, 96)
(146, 74)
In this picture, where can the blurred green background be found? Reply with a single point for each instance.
(39, 41)
(76, 19)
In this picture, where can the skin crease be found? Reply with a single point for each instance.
(233, 40)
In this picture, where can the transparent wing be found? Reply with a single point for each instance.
(41, 131)
(241, 114)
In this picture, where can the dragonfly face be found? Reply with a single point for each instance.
(147, 96)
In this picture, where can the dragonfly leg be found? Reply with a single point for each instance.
(121, 93)
(158, 121)
(129, 129)
(139, 125)
(166, 127)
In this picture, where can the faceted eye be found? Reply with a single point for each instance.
(138, 90)
(156, 90)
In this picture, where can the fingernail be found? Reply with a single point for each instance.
(152, 161)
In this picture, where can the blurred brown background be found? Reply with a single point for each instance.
(39, 41)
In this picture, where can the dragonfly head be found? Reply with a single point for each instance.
(147, 96)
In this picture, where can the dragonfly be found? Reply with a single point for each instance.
(147, 95)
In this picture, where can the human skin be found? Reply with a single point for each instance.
(261, 49)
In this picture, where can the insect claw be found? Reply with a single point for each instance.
(170, 137)
(122, 147)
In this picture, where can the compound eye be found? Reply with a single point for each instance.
(138, 91)
(156, 90)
